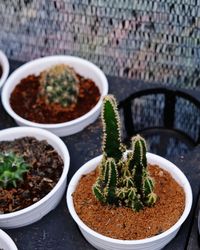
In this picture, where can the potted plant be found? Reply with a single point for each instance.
(33, 173)
(6, 243)
(127, 199)
(60, 93)
(4, 68)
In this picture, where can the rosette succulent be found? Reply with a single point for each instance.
(123, 176)
(59, 85)
(12, 169)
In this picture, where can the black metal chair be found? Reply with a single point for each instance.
(169, 119)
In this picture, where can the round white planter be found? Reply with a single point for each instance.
(153, 243)
(36, 211)
(82, 67)
(6, 243)
(5, 67)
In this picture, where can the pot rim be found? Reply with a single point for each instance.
(176, 226)
(33, 132)
(73, 59)
(5, 67)
(8, 240)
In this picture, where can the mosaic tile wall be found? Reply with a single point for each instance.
(152, 40)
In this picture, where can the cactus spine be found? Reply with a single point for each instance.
(123, 177)
(59, 85)
(12, 169)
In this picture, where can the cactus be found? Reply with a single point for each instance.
(59, 85)
(12, 169)
(112, 146)
(123, 177)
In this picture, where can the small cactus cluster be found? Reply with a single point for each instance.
(123, 176)
(59, 85)
(12, 169)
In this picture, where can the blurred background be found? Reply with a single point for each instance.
(150, 40)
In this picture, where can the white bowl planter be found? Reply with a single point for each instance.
(36, 211)
(153, 243)
(82, 67)
(6, 243)
(5, 68)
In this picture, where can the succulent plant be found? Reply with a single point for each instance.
(60, 85)
(12, 169)
(123, 176)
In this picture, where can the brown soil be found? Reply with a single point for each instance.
(123, 222)
(45, 170)
(24, 101)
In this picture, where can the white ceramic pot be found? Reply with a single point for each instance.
(36, 211)
(82, 67)
(5, 67)
(6, 243)
(153, 243)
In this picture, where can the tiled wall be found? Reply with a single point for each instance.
(152, 40)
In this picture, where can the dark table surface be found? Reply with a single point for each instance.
(57, 230)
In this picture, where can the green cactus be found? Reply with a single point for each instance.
(123, 177)
(112, 146)
(105, 188)
(59, 85)
(12, 169)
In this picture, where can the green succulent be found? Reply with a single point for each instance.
(12, 169)
(60, 85)
(123, 177)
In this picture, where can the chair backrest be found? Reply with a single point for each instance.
(168, 118)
